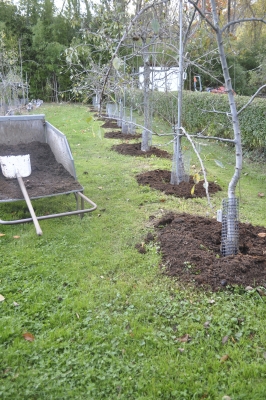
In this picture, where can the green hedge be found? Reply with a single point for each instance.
(195, 119)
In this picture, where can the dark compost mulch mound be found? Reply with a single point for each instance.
(120, 135)
(110, 124)
(190, 248)
(160, 180)
(47, 177)
(134, 149)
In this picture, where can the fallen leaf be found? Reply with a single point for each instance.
(15, 304)
(2, 298)
(219, 163)
(248, 288)
(16, 237)
(211, 301)
(226, 398)
(196, 178)
(262, 234)
(181, 349)
(100, 187)
(261, 292)
(260, 194)
(185, 338)
(28, 336)
(2, 234)
(224, 358)
(77, 315)
(225, 339)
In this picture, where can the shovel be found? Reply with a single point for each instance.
(18, 167)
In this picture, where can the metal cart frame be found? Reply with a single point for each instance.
(28, 128)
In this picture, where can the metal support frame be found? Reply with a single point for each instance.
(80, 211)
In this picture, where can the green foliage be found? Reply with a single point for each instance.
(199, 114)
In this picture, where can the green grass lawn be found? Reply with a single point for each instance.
(106, 323)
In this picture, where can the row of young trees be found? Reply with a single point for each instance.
(53, 49)
(157, 26)
(101, 52)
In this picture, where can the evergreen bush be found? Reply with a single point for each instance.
(199, 113)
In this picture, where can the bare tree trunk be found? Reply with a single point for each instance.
(146, 134)
(231, 235)
(178, 172)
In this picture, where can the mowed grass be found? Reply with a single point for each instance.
(105, 322)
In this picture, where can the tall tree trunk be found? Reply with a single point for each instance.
(178, 172)
(146, 134)
(232, 229)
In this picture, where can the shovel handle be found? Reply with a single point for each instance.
(27, 199)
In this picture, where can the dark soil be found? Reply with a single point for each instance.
(190, 248)
(110, 123)
(160, 180)
(134, 149)
(48, 177)
(120, 135)
(190, 245)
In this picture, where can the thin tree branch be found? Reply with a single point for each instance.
(251, 99)
(199, 135)
(201, 163)
(238, 21)
(217, 112)
(189, 26)
(202, 14)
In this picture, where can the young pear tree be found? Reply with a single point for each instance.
(230, 234)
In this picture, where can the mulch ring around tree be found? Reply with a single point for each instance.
(134, 149)
(120, 135)
(160, 179)
(110, 123)
(190, 249)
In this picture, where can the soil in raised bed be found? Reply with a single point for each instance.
(47, 177)
(190, 248)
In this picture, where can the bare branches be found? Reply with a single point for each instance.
(251, 99)
(226, 26)
(199, 135)
(203, 15)
(239, 21)
(126, 31)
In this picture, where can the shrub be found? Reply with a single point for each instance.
(199, 114)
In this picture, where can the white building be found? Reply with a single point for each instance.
(163, 79)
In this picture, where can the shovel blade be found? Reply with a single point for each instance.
(10, 165)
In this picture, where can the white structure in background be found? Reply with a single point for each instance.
(163, 79)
